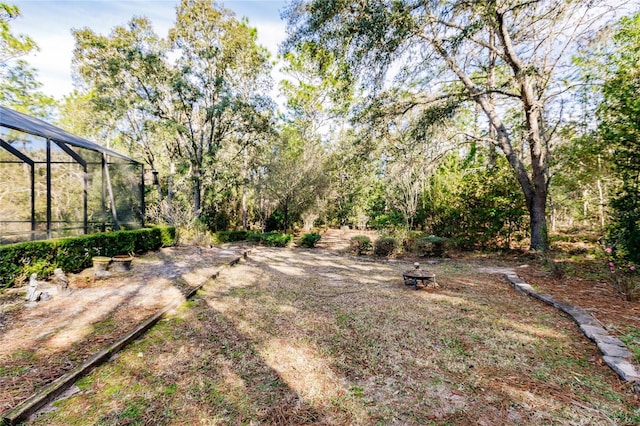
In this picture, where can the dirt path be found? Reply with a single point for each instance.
(338, 239)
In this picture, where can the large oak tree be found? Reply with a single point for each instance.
(197, 85)
(506, 56)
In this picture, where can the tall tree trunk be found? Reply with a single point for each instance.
(244, 192)
(491, 82)
(600, 203)
(286, 215)
(539, 185)
(172, 171)
(534, 188)
(197, 192)
(538, 221)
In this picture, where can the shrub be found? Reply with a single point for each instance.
(388, 221)
(18, 261)
(237, 235)
(625, 275)
(431, 246)
(271, 239)
(276, 239)
(310, 240)
(222, 237)
(254, 237)
(384, 246)
(360, 244)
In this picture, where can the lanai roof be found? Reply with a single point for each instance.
(25, 123)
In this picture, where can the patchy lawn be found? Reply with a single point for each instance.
(41, 343)
(308, 337)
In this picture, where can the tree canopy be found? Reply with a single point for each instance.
(504, 56)
(19, 86)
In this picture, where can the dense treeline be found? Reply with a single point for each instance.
(487, 123)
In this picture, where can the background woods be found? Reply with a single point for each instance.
(490, 124)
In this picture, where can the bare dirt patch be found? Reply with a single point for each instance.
(309, 337)
(39, 344)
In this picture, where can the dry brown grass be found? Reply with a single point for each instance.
(294, 337)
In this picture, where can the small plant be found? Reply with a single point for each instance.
(431, 246)
(632, 340)
(222, 237)
(360, 244)
(310, 240)
(385, 246)
(275, 239)
(624, 275)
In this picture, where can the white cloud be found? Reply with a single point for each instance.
(49, 23)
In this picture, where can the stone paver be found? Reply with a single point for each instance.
(615, 353)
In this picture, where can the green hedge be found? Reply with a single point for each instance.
(19, 261)
(272, 239)
(360, 244)
(310, 240)
(275, 239)
(222, 237)
(385, 246)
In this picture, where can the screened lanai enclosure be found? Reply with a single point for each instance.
(54, 184)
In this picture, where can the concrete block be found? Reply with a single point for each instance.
(592, 331)
(624, 368)
(614, 350)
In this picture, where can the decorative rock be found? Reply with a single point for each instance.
(593, 332)
(580, 316)
(624, 368)
(544, 297)
(44, 296)
(60, 279)
(525, 288)
(610, 340)
(102, 274)
(614, 350)
(515, 279)
(32, 291)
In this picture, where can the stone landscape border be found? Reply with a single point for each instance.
(53, 390)
(614, 352)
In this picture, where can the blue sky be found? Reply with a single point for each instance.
(49, 23)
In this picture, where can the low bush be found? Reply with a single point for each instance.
(271, 239)
(388, 221)
(431, 246)
(276, 239)
(360, 244)
(310, 240)
(222, 237)
(19, 261)
(254, 237)
(385, 246)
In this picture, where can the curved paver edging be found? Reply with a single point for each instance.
(614, 352)
(56, 388)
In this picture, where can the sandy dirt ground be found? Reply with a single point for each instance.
(41, 341)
